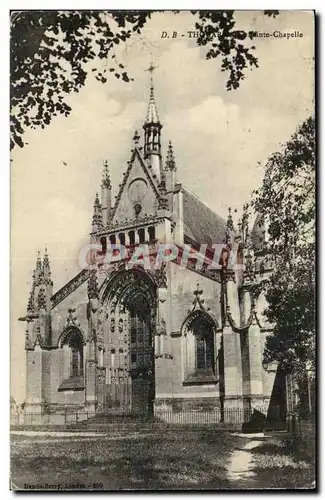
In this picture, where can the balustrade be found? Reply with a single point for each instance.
(129, 238)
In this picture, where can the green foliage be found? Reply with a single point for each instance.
(287, 200)
(50, 51)
(51, 54)
(228, 44)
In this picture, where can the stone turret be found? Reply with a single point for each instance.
(38, 316)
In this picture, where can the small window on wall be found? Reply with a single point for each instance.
(204, 340)
(200, 350)
(112, 239)
(103, 242)
(141, 235)
(204, 352)
(76, 367)
(152, 233)
(132, 237)
(121, 237)
(74, 362)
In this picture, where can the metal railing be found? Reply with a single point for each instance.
(228, 416)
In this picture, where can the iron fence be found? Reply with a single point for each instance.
(232, 416)
(303, 432)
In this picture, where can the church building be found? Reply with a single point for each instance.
(174, 340)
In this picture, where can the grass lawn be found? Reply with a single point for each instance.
(186, 459)
(278, 464)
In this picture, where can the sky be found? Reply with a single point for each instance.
(220, 138)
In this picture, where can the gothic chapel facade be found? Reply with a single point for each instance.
(176, 339)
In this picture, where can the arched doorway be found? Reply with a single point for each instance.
(128, 319)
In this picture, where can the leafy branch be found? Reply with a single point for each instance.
(52, 54)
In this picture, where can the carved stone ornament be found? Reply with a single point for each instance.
(161, 329)
(161, 277)
(120, 325)
(71, 319)
(198, 302)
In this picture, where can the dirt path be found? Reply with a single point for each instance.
(241, 469)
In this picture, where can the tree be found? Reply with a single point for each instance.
(52, 53)
(287, 200)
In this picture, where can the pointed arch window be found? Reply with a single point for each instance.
(76, 358)
(204, 344)
(72, 345)
(199, 329)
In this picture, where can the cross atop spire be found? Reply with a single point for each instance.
(151, 68)
(152, 115)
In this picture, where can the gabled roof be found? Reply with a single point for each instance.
(153, 181)
(200, 222)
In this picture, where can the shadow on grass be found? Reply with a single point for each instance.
(279, 464)
(172, 461)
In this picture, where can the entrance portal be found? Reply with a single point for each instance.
(128, 316)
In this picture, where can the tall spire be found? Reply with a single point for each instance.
(152, 128)
(152, 114)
